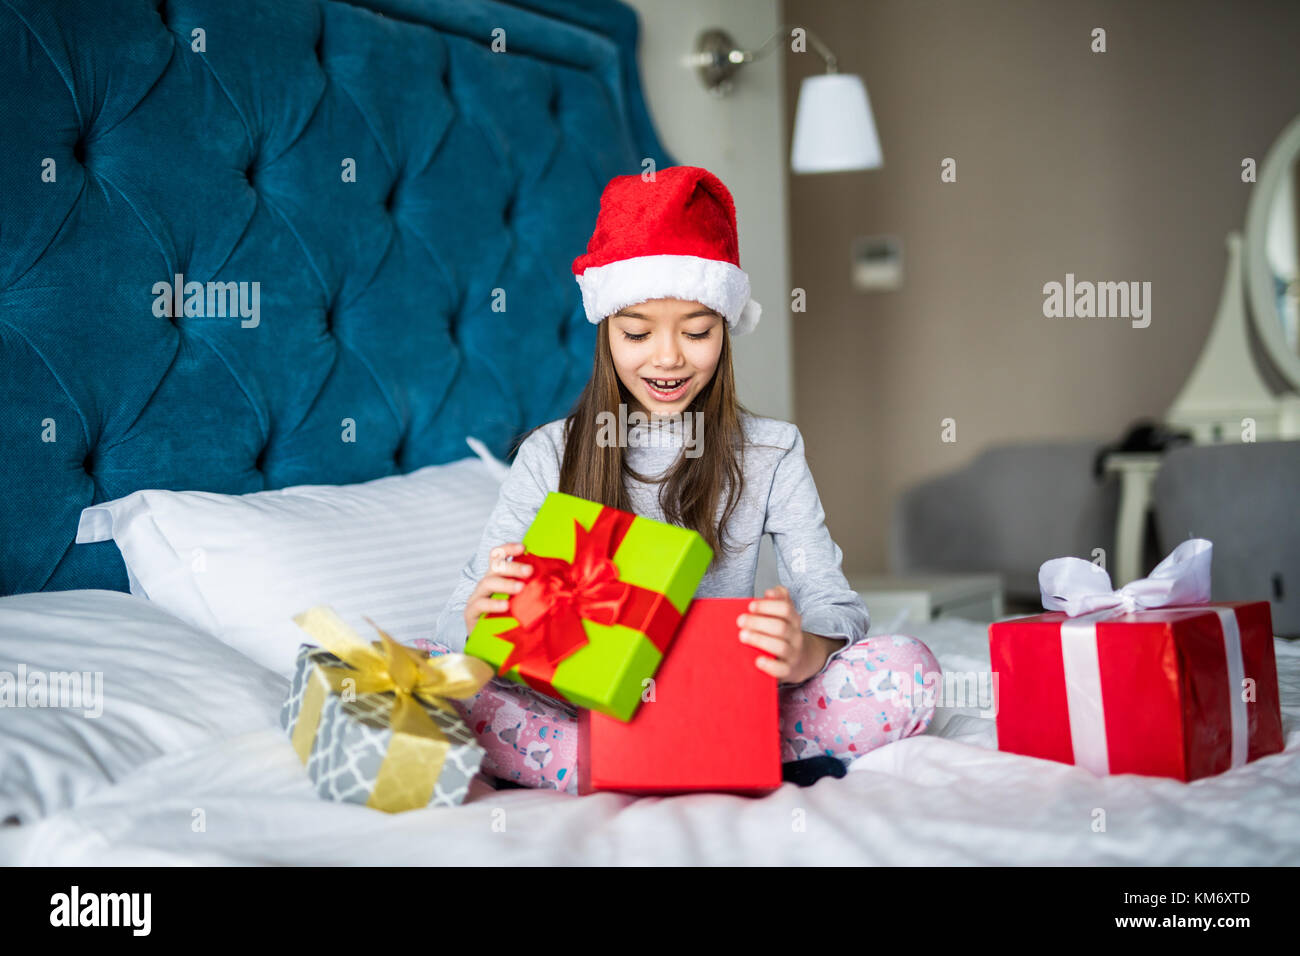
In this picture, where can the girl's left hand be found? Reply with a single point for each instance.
(773, 625)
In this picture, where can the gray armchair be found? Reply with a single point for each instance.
(1009, 510)
(1246, 499)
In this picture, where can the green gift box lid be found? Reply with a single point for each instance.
(607, 674)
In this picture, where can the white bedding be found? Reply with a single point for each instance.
(947, 797)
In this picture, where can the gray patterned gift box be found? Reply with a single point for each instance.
(353, 753)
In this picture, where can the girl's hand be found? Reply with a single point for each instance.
(502, 577)
(773, 625)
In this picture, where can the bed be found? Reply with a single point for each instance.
(407, 194)
(233, 793)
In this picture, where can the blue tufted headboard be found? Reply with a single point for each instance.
(429, 299)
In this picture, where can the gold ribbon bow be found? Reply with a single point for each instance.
(418, 748)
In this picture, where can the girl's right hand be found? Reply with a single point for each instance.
(502, 577)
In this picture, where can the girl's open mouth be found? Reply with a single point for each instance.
(667, 389)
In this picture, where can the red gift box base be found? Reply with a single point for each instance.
(713, 725)
(1167, 709)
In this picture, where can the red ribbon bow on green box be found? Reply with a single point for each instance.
(558, 595)
(601, 608)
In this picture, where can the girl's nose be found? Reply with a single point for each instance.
(667, 354)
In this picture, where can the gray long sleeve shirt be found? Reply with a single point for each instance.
(779, 498)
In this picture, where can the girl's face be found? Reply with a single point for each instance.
(665, 351)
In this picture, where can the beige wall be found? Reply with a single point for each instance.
(742, 139)
(1116, 166)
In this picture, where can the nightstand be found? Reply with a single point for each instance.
(975, 597)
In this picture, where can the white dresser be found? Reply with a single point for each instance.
(924, 597)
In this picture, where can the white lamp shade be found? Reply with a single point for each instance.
(833, 126)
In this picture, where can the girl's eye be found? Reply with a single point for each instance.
(642, 337)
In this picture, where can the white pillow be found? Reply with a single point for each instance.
(241, 566)
(157, 684)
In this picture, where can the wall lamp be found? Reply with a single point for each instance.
(834, 130)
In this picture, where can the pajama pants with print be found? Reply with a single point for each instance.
(871, 695)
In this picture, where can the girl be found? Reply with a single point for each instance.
(662, 281)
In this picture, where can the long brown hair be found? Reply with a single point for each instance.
(693, 489)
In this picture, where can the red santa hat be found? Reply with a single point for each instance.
(672, 236)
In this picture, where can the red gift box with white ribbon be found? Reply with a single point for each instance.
(1151, 679)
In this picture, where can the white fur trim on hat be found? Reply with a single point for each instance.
(716, 283)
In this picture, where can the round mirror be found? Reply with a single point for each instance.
(1272, 263)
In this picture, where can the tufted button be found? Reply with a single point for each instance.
(79, 151)
(260, 462)
(88, 463)
(250, 171)
(391, 199)
(508, 209)
(320, 48)
(329, 320)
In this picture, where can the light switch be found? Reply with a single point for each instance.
(877, 264)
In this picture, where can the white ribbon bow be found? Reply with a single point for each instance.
(1080, 587)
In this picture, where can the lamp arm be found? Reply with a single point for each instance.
(818, 45)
